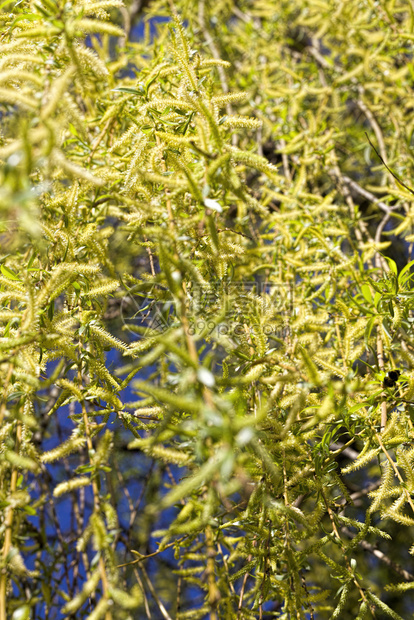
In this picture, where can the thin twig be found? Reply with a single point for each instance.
(381, 365)
(366, 194)
(157, 599)
(381, 556)
(373, 122)
(409, 189)
(396, 471)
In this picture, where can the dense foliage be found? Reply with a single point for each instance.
(206, 315)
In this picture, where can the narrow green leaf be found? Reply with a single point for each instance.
(126, 89)
(8, 273)
(366, 291)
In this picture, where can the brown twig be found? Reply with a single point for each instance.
(380, 356)
(341, 544)
(381, 556)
